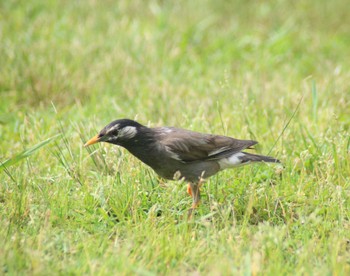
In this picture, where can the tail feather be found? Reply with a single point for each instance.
(249, 157)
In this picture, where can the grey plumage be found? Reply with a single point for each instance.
(173, 152)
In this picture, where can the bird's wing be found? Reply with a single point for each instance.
(188, 146)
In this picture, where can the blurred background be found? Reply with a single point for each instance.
(272, 71)
(174, 62)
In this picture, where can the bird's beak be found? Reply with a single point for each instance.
(92, 141)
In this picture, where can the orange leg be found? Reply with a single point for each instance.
(193, 190)
(189, 190)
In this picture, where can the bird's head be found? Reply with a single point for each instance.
(117, 132)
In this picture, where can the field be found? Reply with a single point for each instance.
(273, 71)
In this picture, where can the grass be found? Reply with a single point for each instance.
(274, 71)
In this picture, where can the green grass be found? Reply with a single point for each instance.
(237, 68)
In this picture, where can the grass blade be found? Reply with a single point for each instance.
(26, 153)
(286, 125)
(314, 101)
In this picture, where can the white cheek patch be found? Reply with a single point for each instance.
(127, 132)
(233, 161)
(115, 127)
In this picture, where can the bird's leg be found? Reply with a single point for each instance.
(194, 187)
(189, 190)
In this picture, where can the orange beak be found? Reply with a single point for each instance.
(92, 141)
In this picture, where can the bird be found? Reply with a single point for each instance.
(175, 153)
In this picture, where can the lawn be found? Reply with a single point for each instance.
(273, 71)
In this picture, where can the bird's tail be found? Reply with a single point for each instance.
(249, 157)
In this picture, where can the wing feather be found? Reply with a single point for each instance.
(189, 146)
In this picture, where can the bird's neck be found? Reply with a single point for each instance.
(142, 145)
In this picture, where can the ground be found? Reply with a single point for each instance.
(272, 71)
